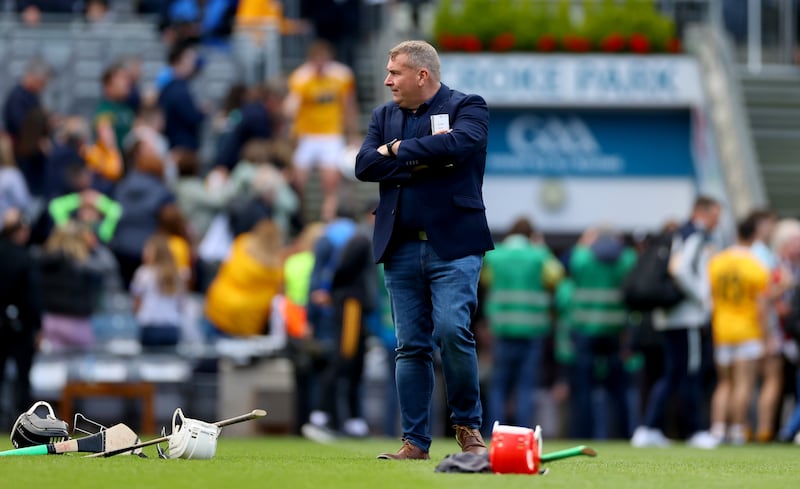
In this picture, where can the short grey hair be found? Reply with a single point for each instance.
(37, 66)
(420, 55)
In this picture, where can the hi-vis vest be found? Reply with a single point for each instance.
(518, 304)
(596, 305)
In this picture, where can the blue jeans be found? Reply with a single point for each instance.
(391, 409)
(793, 425)
(433, 301)
(155, 335)
(515, 371)
(683, 352)
(210, 332)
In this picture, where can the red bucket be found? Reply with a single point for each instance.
(515, 450)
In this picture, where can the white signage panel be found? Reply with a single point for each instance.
(519, 80)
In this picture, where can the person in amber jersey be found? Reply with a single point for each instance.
(739, 329)
(322, 107)
(238, 302)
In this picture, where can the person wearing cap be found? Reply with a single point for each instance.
(598, 266)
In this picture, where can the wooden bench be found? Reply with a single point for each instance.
(144, 391)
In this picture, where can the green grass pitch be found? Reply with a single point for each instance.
(285, 462)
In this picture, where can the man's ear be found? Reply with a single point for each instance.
(422, 77)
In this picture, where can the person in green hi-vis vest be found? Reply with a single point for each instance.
(598, 266)
(520, 274)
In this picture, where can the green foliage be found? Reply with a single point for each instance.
(531, 25)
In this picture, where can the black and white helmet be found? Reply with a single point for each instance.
(31, 429)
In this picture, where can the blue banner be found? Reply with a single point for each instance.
(590, 143)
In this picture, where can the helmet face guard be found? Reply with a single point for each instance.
(192, 438)
(30, 429)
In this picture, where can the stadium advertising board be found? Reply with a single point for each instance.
(576, 141)
(585, 81)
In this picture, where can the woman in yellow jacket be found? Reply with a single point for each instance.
(240, 296)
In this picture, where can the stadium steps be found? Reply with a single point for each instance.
(773, 108)
(363, 192)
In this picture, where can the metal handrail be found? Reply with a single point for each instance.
(734, 136)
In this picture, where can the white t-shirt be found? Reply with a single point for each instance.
(156, 308)
(13, 190)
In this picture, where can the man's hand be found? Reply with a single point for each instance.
(771, 345)
(321, 297)
(89, 197)
(588, 237)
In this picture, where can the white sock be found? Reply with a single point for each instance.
(718, 430)
(356, 427)
(319, 418)
(738, 434)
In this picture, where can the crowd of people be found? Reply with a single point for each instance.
(712, 366)
(122, 208)
(122, 205)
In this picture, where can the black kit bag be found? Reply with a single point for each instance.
(649, 284)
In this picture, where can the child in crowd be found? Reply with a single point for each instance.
(172, 225)
(159, 294)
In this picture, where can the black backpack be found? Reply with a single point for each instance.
(649, 284)
(792, 322)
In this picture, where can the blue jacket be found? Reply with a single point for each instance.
(446, 172)
(182, 119)
(141, 196)
(327, 251)
(256, 122)
(18, 103)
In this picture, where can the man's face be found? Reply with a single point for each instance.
(119, 85)
(711, 217)
(188, 64)
(791, 250)
(319, 60)
(404, 82)
(38, 83)
(765, 228)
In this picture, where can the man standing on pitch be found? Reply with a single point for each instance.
(427, 150)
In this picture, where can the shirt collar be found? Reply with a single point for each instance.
(423, 107)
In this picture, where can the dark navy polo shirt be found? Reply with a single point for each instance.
(409, 220)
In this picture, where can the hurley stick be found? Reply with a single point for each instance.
(255, 413)
(569, 452)
(112, 438)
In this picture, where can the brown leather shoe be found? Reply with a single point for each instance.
(470, 440)
(408, 451)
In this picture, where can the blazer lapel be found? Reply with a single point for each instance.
(437, 107)
(438, 103)
(395, 124)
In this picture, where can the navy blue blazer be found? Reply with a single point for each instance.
(447, 170)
